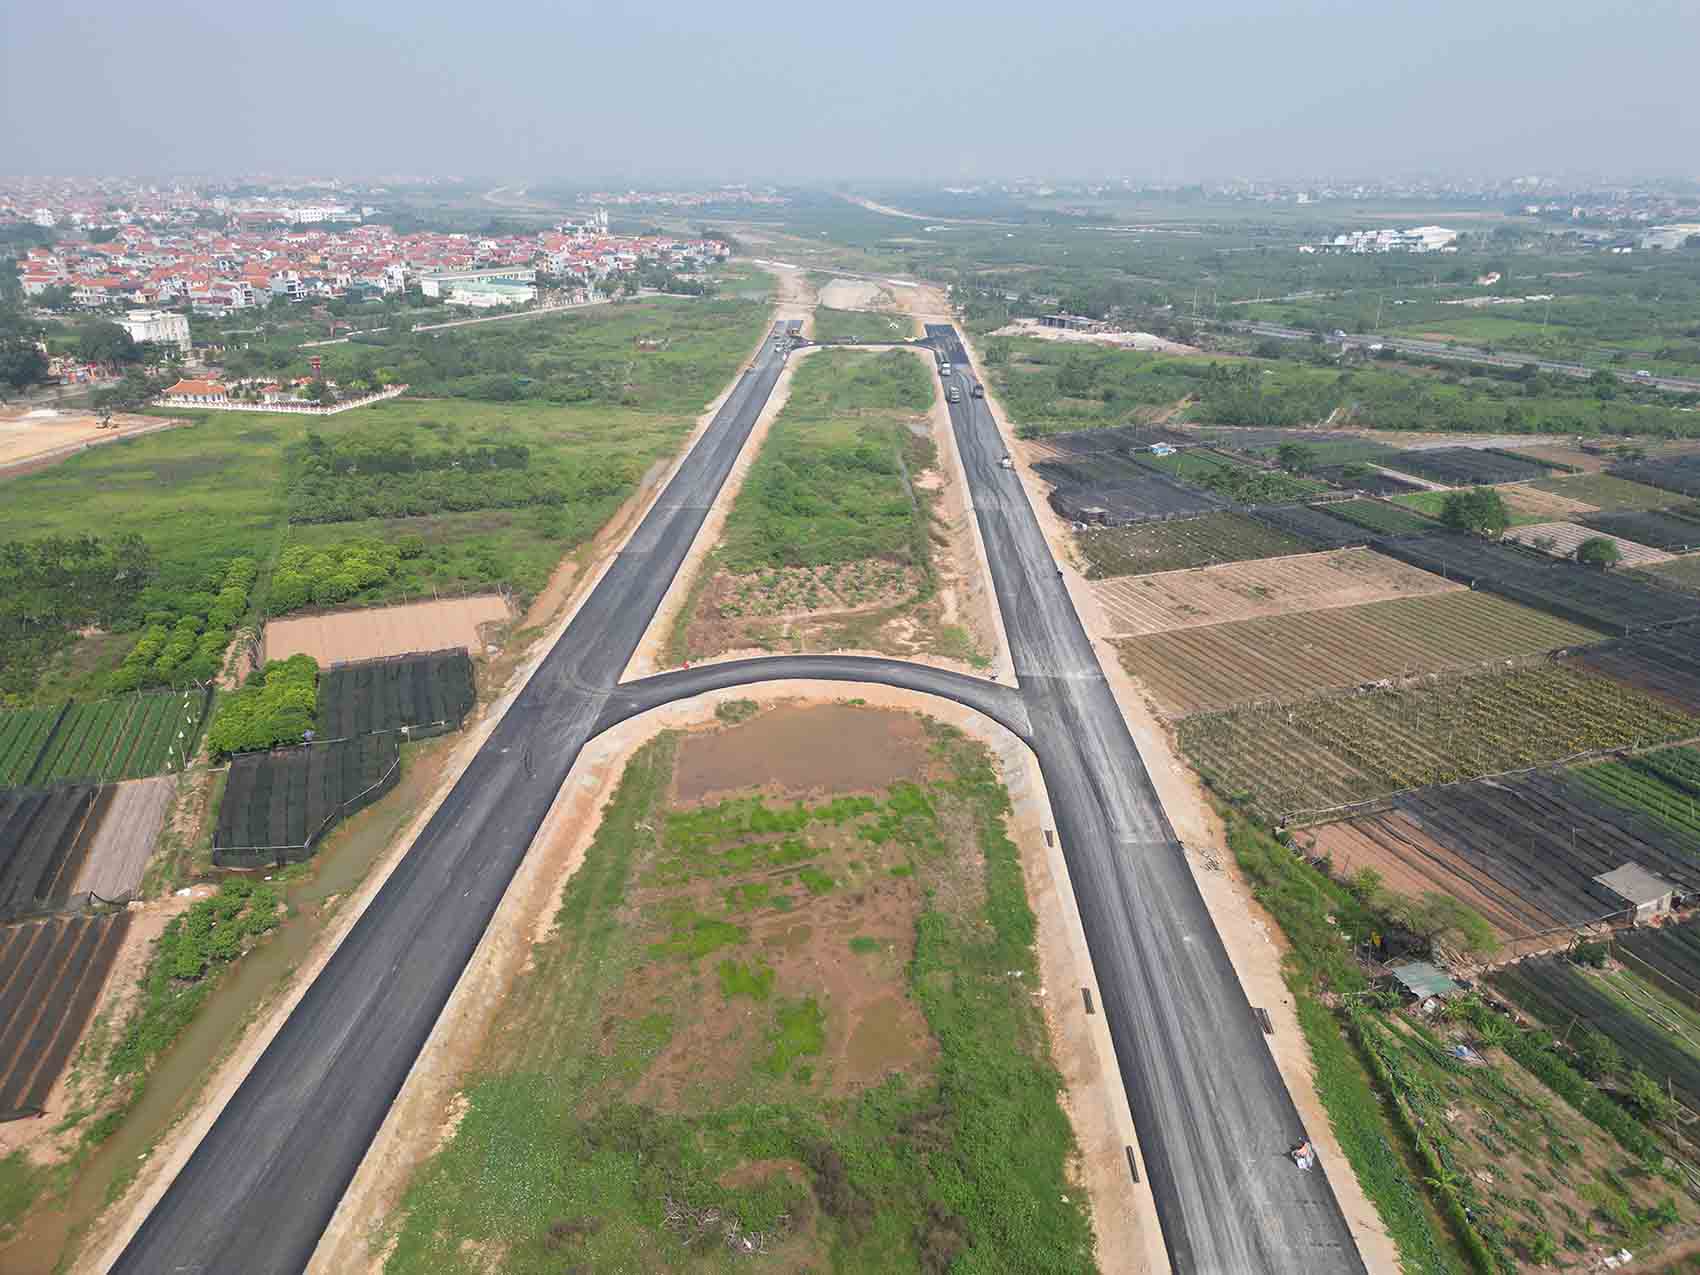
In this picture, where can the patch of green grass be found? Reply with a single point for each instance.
(1611, 493)
(862, 945)
(798, 1031)
(1433, 504)
(694, 935)
(20, 1183)
(737, 979)
(861, 325)
(815, 881)
(747, 894)
(733, 711)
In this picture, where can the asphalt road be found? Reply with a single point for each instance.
(260, 1188)
(1214, 1119)
(1213, 1116)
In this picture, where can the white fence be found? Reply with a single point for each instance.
(293, 409)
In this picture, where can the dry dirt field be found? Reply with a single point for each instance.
(121, 848)
(1287, 656)
(1565, 536)
(370, 632)
(1412, 863)
(1543, 504)
(35, 439)
(855, 294)
(1245, 590)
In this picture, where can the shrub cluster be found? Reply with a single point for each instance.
(50, 588)
(186, 637)
(277, 706)
(325, 577)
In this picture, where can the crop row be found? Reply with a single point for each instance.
(1459, 466)
(1382, 516)
(127, 738)
(1182, 543)
(1313, 754)
(22, 733)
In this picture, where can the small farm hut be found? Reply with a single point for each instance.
(1647, 892)
(1423, 983)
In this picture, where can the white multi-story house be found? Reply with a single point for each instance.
(159, 327)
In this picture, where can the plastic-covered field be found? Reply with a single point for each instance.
(1678, 472)
(1611, 601)
(45, 835)
(1312, 523)
(276, 805)
(51, 973)
(1381, 517)
(1664, 662)
(1111, 488)
(1665, 529)
(1179, 543)
(1122, 438)
(1466, 466)
(434, 689)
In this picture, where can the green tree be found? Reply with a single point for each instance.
(1296, 458)
(21, 363)
(1599, 1054)
(1597, 551)
(1479, 510)
(1648, 1097)
(99, 341)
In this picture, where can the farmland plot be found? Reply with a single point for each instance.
(1673, 530)
(1557, 993)
(1562, 539)
(375, 632)
(1121, 439)
(278, 804)
(51, 973)
(1526, 502)
(125, 839)
(1126, 492)
(126, 738)
(1181, 543)
(1544, 837)
(1381, 516)
(1365, 478)
(1313, 523)
(1606, 492)
(1663, 785)
(1678, 472)
(1465, 466)
(1609, 601)
(1412, 863)
(23, 732)
(45, 835)
(1275, 586)
(412, 691)
(1291, 656)
(1233, 479)
(1664, 663)
(1331, 751)
(1668, 956)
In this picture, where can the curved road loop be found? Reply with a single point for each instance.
(1213, 1117)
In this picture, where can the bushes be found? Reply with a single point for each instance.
(50, 588)
(277, 706)
(187, 633)
(325, 577)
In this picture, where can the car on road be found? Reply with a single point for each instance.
(944, 369)
(955, 395)
(1642, 374)
(979, 390)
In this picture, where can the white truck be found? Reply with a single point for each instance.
(954, 394)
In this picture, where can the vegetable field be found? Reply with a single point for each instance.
(1467, 466)
(1233, 479)
(1121, 438)
(1563, 539)
(51, 973)
(1668, 956)
(1291, 656)
(409, 691)
(45, 835)
(1272, 586)
(1180, 543)
(1334, 750)
(125, 738)
(1664, 662)
(1607, 600)
(278, 804)
(1604, 491)
(1663, 785)
(1619, 1006)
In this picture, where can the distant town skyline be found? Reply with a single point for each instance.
(887, 91)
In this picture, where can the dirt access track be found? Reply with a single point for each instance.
(371, 632)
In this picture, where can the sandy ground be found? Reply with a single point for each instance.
(30, 440)
(125, 840)
(371, 632)
(854, 294)
(964, 578)
(1195, 596)
(1121, 340)
(1254, 942)
(1123, 1214)
(114, 1229)
(1546, 504)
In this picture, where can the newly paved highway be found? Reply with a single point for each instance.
(1214, 1119)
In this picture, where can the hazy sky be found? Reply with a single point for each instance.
(804, 90)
